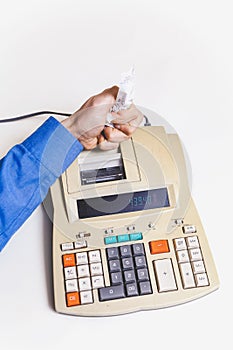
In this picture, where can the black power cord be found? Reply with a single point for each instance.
(13, 119)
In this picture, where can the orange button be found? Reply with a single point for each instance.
(73, 299)
(68, 260)
(158, 247)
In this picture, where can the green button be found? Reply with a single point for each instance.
(110, 239)
(135, 236)
(123, 238)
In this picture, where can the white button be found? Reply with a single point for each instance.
(83, 271)
(94, 256)
(202, 279)
(86, 297)
(189, 229)
(71, 286)
(195, 254)
(182, 256)
(97, 281)
(165, 275)
(187, 275)
(67, 246)
(198, 266)
(81, 258)
(80, 244)
(70, 272)
(96, 269)
(180, 244)
(179, 222)
(84, 283)
(192, 242)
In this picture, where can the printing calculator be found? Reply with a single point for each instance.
(126, 232)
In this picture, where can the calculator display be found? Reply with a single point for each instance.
(123, 203)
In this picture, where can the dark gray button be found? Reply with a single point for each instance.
(145, 288)
(138, 249)
(127, 263)
(129, 276)
(140, 261)
(131, 290)
(111, 293)
(114, 265)
(143, 275)
(116, 278)
(112, 253)
(125, 251)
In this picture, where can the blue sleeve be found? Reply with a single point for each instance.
(29, 169)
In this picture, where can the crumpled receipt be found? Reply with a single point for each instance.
(125, 95)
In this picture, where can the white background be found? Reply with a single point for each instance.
(54, 55)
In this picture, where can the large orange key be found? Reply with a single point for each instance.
(68, 260)
(160, 246)
(72, 299)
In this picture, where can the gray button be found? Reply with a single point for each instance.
(145, 288)
(116, 278)
(129, 276)
(138, 249)
(143, 275)
(112, 253)
(125, 251)
(127, 263)
(111, 293)
(131, 290)
(140, 261)
(114, 265)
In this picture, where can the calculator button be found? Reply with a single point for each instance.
(140, 261)
(110, 240)
(195, 254)
(94, 256)
(67, 246)
(96, 269)
(111, 293)
(116, 278)
(97, 282)
(73, 299)
(143, 275)
(138, 249)
(131, 290)
(125, 251)
(158, 247)
(81, 258)
(70, 272)
(86, 297)
(182, 256)
(165, 275)
(129, 276)
(127, 263)
(112, 253)
(180, 244)
(80, 244)
(201, 280)
(192, 242)
(135, 236)
(187, 275)
(83, 271)
(72, 285)
(68, 260)
(84, 283)
(114, 265)
(189, 229)
(198, 266)
(145, 288)
(123, 238)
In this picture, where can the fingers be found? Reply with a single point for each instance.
(106, 145)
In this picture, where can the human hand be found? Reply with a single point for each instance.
(88, 123)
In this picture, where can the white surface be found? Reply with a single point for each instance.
(54, 55)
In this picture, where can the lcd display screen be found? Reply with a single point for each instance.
(123, 203)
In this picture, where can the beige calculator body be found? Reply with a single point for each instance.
(126, 233)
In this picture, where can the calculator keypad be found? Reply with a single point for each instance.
(128, 273)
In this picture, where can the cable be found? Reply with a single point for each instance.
(13, 119)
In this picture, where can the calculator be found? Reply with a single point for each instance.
(126, 233)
